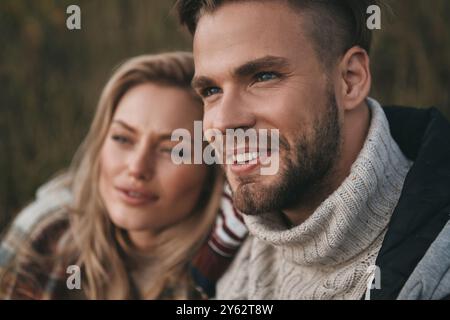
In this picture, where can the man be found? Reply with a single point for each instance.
(362, 192)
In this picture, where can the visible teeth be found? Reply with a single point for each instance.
(134, 194)
(245, 157)
(252, 156)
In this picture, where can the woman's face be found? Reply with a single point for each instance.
(142, 189)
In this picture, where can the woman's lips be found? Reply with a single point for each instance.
(136, 197)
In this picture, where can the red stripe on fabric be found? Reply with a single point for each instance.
(221, 246)
(211, 264)
(228, 231)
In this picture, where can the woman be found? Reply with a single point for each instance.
(124, 217)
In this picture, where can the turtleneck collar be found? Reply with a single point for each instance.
(355, 215)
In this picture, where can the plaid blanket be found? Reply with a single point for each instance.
(43, 222)
(40, 224)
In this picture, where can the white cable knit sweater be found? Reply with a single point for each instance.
(327, 256)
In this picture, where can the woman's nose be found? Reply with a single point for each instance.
(140, 165)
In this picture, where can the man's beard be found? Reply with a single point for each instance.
(300, 178)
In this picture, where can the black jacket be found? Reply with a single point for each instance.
(424, 205)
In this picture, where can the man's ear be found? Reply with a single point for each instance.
(354, 78)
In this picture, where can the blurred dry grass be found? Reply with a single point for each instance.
(411, 54)
(50, 78)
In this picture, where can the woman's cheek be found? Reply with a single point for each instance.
(113, 158)
(184, 181)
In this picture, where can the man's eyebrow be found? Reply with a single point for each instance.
(247, 69)
(125, 125)
(261, 64)
(202, 82)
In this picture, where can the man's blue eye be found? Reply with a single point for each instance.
(210, 91)
(265, 76)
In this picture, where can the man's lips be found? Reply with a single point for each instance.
(135, 196)
(247, 155)
(244, 161)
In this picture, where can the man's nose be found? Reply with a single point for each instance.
(231, 112)
(141, 164)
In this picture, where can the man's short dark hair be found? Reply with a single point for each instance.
(335, 25)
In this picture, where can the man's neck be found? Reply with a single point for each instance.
(355, 127)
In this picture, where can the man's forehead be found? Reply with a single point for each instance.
(237, 32)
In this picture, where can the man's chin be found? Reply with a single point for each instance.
(255, 182)
(254, 195)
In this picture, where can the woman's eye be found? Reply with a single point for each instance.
(265, 76)
(207, 92)
(121, 139)
(166, 150)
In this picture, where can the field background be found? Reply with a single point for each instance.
(50, 77)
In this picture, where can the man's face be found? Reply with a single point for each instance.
(256, 68)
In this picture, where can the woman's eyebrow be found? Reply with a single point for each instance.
(168, 137)
(159, 137)
(164, 137)
(125, 125)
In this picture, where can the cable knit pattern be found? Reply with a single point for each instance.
(327, 256)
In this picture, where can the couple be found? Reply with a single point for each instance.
(362, 192)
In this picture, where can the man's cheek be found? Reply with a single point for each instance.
(207, 119)
(231, 179)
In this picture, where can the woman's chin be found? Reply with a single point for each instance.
(129, 223)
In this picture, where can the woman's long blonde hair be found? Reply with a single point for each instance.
(93, 242)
